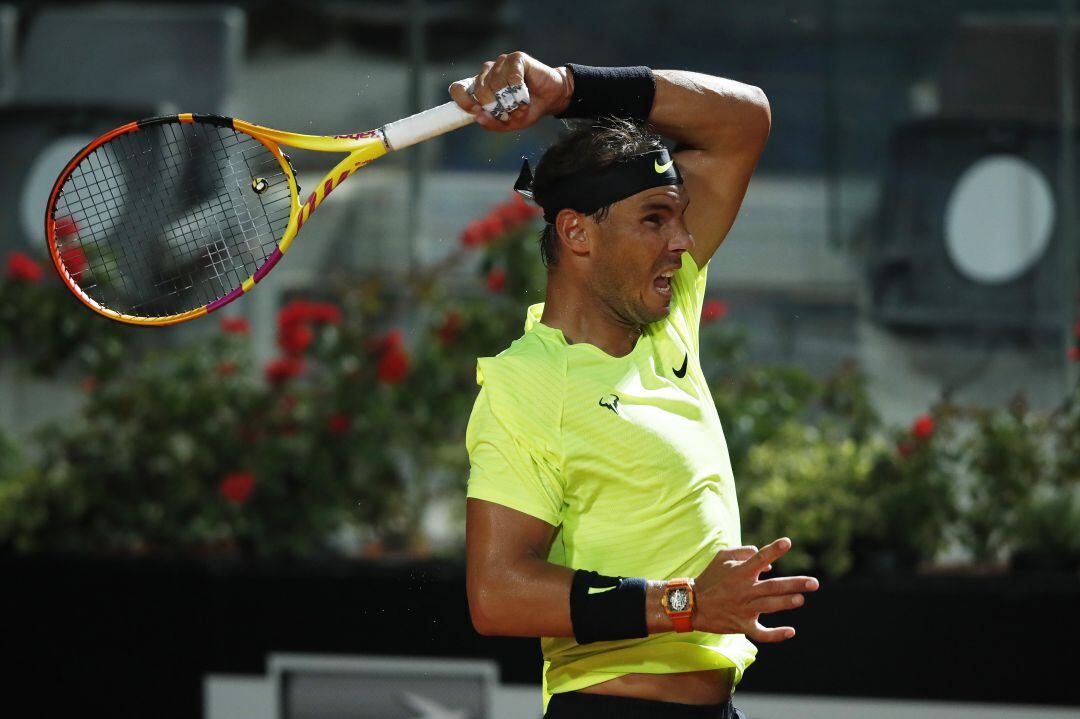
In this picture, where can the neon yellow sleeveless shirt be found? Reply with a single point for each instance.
(626, 456)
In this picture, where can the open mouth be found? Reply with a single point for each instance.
(662, 283)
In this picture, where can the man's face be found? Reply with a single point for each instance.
(640, 245)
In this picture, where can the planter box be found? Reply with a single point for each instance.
(134, 637)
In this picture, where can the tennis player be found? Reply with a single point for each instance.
(601, 514)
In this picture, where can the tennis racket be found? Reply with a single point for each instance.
(168, 219)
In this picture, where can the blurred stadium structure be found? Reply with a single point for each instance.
(906, 134)
(879, 108)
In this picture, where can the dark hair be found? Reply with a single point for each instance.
(587, 145)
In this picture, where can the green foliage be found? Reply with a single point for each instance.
(810, 484)
(1047, 527)
(1006, 459)
(912, 507)
(359, 427)
(77, 339)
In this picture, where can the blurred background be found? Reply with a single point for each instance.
(260, 514)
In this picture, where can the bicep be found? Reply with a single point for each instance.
(497, 536)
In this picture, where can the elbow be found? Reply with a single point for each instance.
(481, 613)
(762, 112)
(482, 622)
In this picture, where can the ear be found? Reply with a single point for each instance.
(573, 232)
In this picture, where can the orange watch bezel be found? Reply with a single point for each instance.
(680, 620)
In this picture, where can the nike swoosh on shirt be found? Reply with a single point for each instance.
(598, 590)
(681, 372)
(661, 169)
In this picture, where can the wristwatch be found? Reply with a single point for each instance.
(678, 603)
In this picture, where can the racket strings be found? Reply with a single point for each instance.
(171, 217)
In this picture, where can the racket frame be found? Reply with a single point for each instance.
(360, 148)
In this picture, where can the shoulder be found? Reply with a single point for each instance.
(524, 384)
(530, 364)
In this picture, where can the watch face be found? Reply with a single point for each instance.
(679, 599)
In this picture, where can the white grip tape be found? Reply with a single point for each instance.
(425, 125)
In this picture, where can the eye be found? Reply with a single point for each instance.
(654, 219)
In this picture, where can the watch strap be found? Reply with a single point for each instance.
(681, 620)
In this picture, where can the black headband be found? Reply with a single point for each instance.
(589, 190)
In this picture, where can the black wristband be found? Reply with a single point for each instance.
(626, 92)
(607, 608)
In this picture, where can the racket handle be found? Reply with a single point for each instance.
(425, 125)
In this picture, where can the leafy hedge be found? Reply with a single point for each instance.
(357, 429)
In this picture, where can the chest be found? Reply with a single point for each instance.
(647, 427)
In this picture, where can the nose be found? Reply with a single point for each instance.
(681, 240)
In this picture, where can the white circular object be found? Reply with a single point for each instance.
(46, 167)
(999, 219)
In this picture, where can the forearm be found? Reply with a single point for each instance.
(532, 599)
(529, 598)
(709, 113)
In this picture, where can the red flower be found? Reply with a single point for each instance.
(448, 331)
(89, 384)
(237, 487)
(923, 428)
(906, 449)
(390, 340)
(74, 260)
(1074, 354)
(713, 310)
(235, 325)
(515, 211)
(493, 227)
(280, 370)
(325, 313)
(338, 423)
(393, 366)
(295, 312)
(502, 218)
(22, 268)
(295, 338)
(226, 368)
(483, 231)
(496, 279)
(1076, 329)
(472, 235)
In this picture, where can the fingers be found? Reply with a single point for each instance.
(786, 585)
(496, 93)
(770, 634)
(738, 553)
(768, 605)
(768, 554)
(459, 92)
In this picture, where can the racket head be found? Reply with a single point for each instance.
(166, 219)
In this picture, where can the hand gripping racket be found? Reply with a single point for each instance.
(167, 219)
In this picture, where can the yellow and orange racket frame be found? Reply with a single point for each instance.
(361, 148)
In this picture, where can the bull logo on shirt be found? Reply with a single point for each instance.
(611, 401)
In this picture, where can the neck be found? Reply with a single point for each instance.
(583, 318)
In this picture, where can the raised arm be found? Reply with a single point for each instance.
(721, 127)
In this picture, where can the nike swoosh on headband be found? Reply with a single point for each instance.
(661, 169)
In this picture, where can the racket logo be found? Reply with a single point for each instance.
(357, 135)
